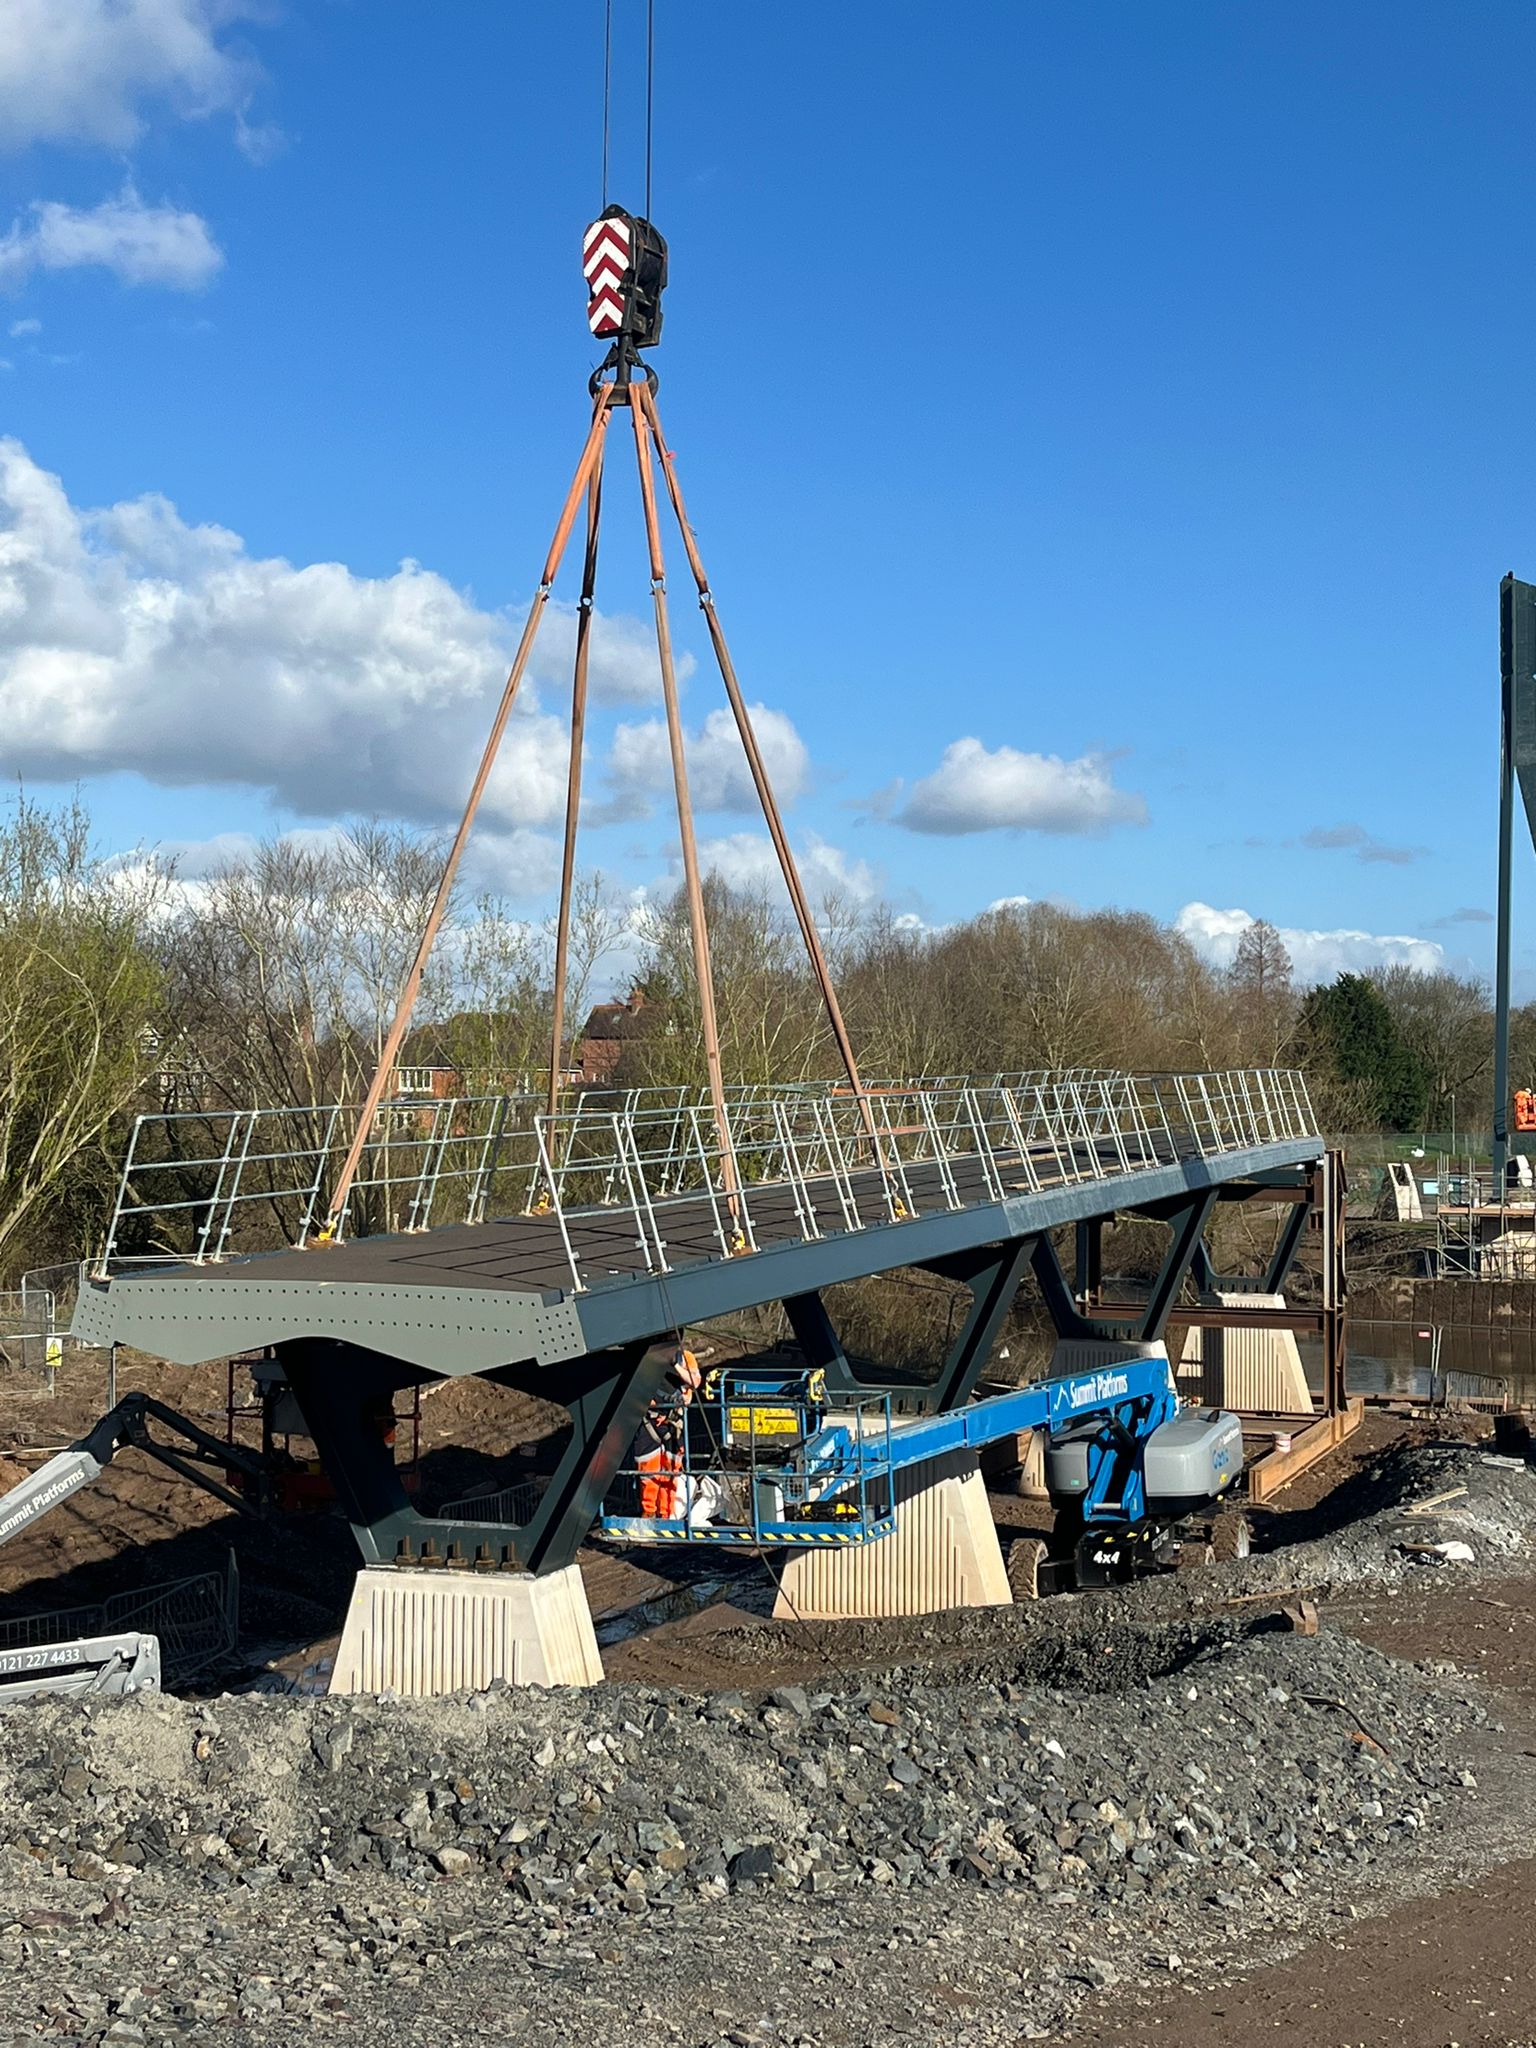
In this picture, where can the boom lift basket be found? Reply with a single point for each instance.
(756, 1458)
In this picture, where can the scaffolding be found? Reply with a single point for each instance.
(1485, 1222)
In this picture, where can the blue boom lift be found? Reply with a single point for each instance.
(770, 1458)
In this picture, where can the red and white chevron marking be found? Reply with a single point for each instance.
(605, 249)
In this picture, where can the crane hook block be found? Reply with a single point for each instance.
(624, 260)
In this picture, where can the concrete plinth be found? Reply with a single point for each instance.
(1087, 1354)
(1259, 1370)
(943, 1553)
(427, 1632)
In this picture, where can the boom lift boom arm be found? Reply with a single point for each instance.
(128, 1423)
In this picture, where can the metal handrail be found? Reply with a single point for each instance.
(834, 1162)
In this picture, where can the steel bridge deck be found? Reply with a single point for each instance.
(469, 1297)
(617, 1226)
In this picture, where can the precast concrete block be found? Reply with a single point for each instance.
(1257, 1370)
(421, 1633)
(942, 1553)
(1087, 1354)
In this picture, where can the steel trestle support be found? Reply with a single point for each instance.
(340, 1389)
(343, 1390)
(991, 1274)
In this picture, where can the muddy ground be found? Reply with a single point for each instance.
(1408, 1925)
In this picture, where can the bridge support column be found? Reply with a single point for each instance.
(943, 1553)
(422, 1633)
(1240, 1366)
(820, 1345)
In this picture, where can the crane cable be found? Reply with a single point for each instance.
(607, 88)
(650, 94)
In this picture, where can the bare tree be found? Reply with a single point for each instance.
(502, 987)
(285, 966)
(1445, 1020)
(1261, 966)
(772, 1026)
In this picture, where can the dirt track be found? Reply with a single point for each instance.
(1456, 1967)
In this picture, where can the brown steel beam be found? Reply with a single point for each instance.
(698, 925)
(1306, 1320)
(1328, 1203)
(584, 611)
(1279, 1468)
(390, 1050)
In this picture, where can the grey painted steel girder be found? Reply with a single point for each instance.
(189, 1316)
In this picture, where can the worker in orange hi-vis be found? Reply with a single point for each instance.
(685, 1371)
(1525, 1110)
(658, 1452)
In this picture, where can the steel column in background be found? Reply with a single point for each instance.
(1506, 857)
(1089, 1261)
(1328, 1195)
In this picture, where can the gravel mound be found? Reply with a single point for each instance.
(1488, 1504)
(1190, 1755)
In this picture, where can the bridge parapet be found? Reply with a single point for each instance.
(649, 1164)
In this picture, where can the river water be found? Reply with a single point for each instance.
(1401, 1358)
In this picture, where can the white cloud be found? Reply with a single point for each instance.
(1315, 955)
(139, 244)
(621, 656)
(640, 763)
(81, 70)
(176, 874)
(131, 640)
(22, 328)
(747, 861)
(976, 789)
(517, 863)
(1009, 903)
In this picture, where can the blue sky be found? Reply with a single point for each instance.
(1104, 428)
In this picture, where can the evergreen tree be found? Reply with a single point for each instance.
(1352, 1031)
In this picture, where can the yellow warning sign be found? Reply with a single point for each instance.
(763, 1421)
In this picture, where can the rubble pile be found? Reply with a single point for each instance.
(1250, 1760)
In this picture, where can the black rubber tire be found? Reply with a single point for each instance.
(1231, 1538)
(1025, 1558)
